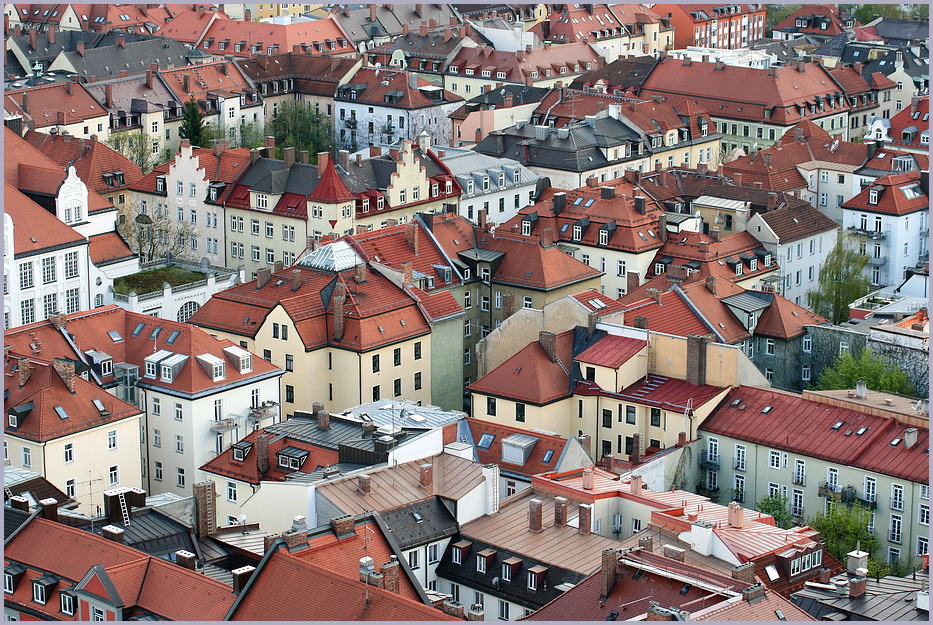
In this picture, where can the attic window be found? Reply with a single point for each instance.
(837, 425)
(418, 518)
(60, 412)
(139, 328)
(172, 337)
(114, 336)
(766, 409)
(772, 572)
(895, 442)
(485, 441)
(861, 431)
(547, 456)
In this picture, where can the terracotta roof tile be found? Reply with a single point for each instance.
(38, 230)
(330, 188)
(248, 470)
(805, 427)
(907, 118)
(52, 105)
(90, 158)
(547, 444)
(785, 319)
(606, 305)
(108, 248)
(828, 11)
(398, 83)
(314, 36)
(898, 194)
(611, 351)
(794, 223)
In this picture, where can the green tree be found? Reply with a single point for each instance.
(880, 376)
(865, 13)
(136, 146)
(843, 527)
(298, 125)
(918, 11)
(192, 125)
(776, 506)
(841, 281)
(777, 12)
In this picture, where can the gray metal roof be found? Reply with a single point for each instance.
(746, 302)
(338, 256)
(152, 532)
(464, 163)
(520, 440)
(133, 58)
(886, 599)
(306, 430)
(433, 522)
(404, 413)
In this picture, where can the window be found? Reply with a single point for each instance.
(27, 457)
(71, 488)
(38, 593)
(157, 472)
(375, 363)
(923, 545)
(503, 610)
(67, 604)
(491, 406)
(179, 413)
(630, 415)
(774, 459)
(805, 373)
(894, 535)
(180, 477)
(769, 347)
(897, 497)
(807, 344)
(112, 439)
(69, 452)
(157, 438)
(796, 506)
(870, 489)
(843, 348)
(397, 356)
(800, 472)
(114, 475)
(656, 418)
(739, 457)
(179, 443)
(526, 302)
(397, 387)
(418, 350)
(923, 514)
(480, 564)
(467, 357)
(156, 404)
(432, 554)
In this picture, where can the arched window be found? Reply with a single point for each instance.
(98, 300)
(188, 309)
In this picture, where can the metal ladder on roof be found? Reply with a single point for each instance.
(123, 509)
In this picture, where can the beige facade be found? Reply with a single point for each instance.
(82, 464)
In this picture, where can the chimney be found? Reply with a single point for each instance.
(674, 553)
(423, 29)
(304, 157)
(108, 96)
(359, 159)
(25, 104)
(343, 159)
(696, 358)
(112, 532)
(426, 475)
(364, 483)
(861, 389)
(52, 32)
(754, 593)
(610, 563)
(359, 273)
(592, 181)
(914, 103)
(641, 323)
(856, 560)
(681, 439)
(263, 275)
(559, 202)
(588, 479)
(262, 453)
(342, 525)
(910, 437)
(32, 39)
(322, 158)
(508, 305)
(585, 443)
(744, 572)
(186, 559)
(547, 237)
(737, 179)
(393, 152)
(18, 502)
(640, 204)
(720, 65)
(632, 281)
(716, 233)
(453, 608)
(411, 237)
(585, 518)
(49, 509)
(372, 13)
(654, 294)
(390, 574)
(560, 511)
(247, 15)
(607, 193)
(121, 41)
(857, 584)
(736, 515)
(205, 501)
(186, 83)
(288, 156)
(297, 535)
(406, 272)
(339, 297)
(405, 29)
(65, 369)
(636, 447)
(711, 284)
(825, 575)
(535, 522)
(636, 484)
(241, 577)
(374, 151)
(548, 342)
(323, 419)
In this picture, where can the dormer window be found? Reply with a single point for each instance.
(366, 205)
(469, 188)
(873, 196)
(449, 187)
(485, 183)
(753, 264)
(501, 179)
(577, 233)
(603, 237)
(526, 228)
(767, 260)
(380, 202)
(738, 269)
(160, 184)
(106, 368)
(434, 189)
(166, 373)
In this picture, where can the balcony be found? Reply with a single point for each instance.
(799, 479)
(223, 425)
(845, 495)
(871, 504)
(877, 261)
(350, 123)
(708, 491)
(266, 410)
(874, 235)
(708, 460)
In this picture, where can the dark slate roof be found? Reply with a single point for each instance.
(833, 47)
(904, 30)
(435, 522)
(517, 590)
(913, 66)
(40, 488)
(376, 172)
(887, 599)
(13, 520)
(108, 61)
(151, 532)
(624, 72)
(784, 50)
(579, 152)
(390, 18)
(521, 94)
(300, 179)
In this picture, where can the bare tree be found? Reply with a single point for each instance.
(136, 146)
(154, 234)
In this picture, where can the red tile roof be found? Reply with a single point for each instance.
(342, 556)
(313, 36)
(606, 306)
(37, 230)
(436, 305)
(805, 427)
(145, 583)
(90, 330)
(227, 168)
(717, 258)
(519, 65)
(205, 79)
(46, 390)
(330, 188)
(23, 164)
(907, 118)
(575, 23)
(530, 376)
(280, 593)
(669, 393)
(248, 470)
(493, 455)
(898, 194)
(765, 609)
(389, 246)
(792, 223)
(52, 105)
(611, 351)
(828, 11)
(90, 158)
(751, 90)
(188, 26)
(376, 89)
(785, 319)
(671, 315)
(108, 248)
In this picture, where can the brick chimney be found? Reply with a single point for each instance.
(406, 272)
(636, 448)
(288, 157)
(364, 483)
(754, 593)
(662, 228)
(114, 533)
(65, 369)
(711, 284)
(186, 83)
(297, 535)
(263, 275)
(632, 281)
(535, 521)
(241, 577)
(49, 509)
(654, 294)
(636, 484)
(323, 419)
(58, 320)
(560, 511)
(359, 273)
(426, 475)
(205, 504)
(339, 297)
(52, 32)
(609, 574)
(186, 559)
(342, 525)
(108, 95)
(411, 237)
(548, 342)
(744, 572)
(322, 158)
(716, 233)
(304, 157)
(696, 358)
(32, 39)
(674, 553)
(508, 305)
(547, 237)
(121, 41)
(296, 279)
(390, 574)
(736, 515)
(262, 453)
(585, 518)
(641, 323)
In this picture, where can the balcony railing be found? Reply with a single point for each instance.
(877, 261)
(874, 235)
(738, 465)
(223, 425)
(800, 479)
(267, 409)
(707, 491)
(897, 503)
(871, 504)
(709, 461)
(350, 123)
(846, 495)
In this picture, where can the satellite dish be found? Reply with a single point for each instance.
(241, 519)
(378, 65)
(495, 582)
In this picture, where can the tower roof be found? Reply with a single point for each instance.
(330, 188)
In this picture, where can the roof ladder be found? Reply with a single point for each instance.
(123, 509)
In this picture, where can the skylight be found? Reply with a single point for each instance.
(861, 431)
(172, 337)
(895, 442)
(547, 456)
(114, 336)
(485, 441)
(837, 425)
(155, 332)
(766, 410)
(61, 412)
(772, 572)
(139, 328)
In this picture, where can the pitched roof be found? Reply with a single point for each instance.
(785, 319)
(330, 188)
(519, 65)
(29, 162)
(53, 105)
(390, 87)
(611, 351)
(753, 90)
(205, 79)
(545, 446)
(805, 427)
(90, 158)
(714, 258)
(626, 73)
(419, 523)
(315, 75)
(594, 301)
(764, 609)
(797, 222)
(818, 14)
(897, 194)
(279, 592)
(530, 376)
(918, 119)
(36, 230)
(314, 37)
(107, 248)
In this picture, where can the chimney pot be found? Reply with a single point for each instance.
(364, 483)
(535, 521)
(560, 511)
(426, 475)
(585, 518)
(241, 577)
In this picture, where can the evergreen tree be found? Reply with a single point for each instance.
(192, 125)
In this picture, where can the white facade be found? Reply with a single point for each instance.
(829, 187)
(185, 431)
(892, 242)
(799, 261)
(362, 124)
(741, 57)
(500, 186)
